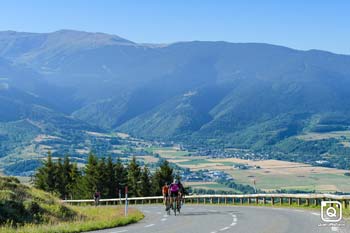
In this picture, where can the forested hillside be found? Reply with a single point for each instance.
(289, 103)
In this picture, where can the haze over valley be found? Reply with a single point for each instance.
(71, 92)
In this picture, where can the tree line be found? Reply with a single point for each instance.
(104, 175)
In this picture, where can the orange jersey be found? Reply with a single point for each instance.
(165, 189)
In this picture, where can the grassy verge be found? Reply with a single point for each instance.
(29, 210)
(88, 218)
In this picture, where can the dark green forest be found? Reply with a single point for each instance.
(104, 175)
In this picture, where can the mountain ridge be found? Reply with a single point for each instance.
(248, 95)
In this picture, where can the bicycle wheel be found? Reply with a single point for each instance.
(168, 210)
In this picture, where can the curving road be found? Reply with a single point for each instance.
(226, 219)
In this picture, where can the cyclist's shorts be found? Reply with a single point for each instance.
(166, 194)
(174, 194)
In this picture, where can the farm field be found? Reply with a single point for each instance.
(311, 136)
(269, 174)
(208, 185)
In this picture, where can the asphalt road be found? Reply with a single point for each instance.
(225, 219)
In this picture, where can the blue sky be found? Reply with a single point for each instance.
(308, 24)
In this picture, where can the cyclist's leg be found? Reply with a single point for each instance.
(171, 200)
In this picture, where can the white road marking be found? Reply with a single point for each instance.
(150, 225)
(165, 215)
(301, 211)
(335, 228)
(232, 224)
(119, 231)
(159, 212)
(224, 229)
(316, 214)
(214, 232)
(163, 219)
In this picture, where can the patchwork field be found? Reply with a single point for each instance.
(268, 174)
(208, 185)
(319, 136)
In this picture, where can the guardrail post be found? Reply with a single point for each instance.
(149, 201)
(315, 202)
(211, 200)
(264, 200)
(257, 200)
(299, 201)
(241, 200)
(272, 200)
(225, 200)
(218, 200)
(281, 200)
(197, 200)
(205, 200)
(345, 204)
(233, 200)
(307, 201)
(290, 201)
(248, 200)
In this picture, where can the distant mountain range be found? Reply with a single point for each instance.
(207, 94)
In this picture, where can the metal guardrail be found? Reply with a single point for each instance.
(299, 199)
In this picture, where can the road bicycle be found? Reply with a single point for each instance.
(167, 205)
(176, 205)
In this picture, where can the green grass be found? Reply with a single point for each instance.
(194, 162)
(26, 209)
(309, 182)
(228, 163)
(215, 187)
(89, 218)
(167, 151)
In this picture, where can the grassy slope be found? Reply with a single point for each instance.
(32, 210)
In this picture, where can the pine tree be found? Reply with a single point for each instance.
(102, 177)
(134, 173)
(75, 187)
(162, 176)
(166, 172)
(111, 182)
(66, 177)
(121, 175)
(59, 179)
(50, 169)
(90, 179)
(145, 184)
(156, 183)
(45, 177)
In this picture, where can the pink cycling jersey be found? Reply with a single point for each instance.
(174, 188)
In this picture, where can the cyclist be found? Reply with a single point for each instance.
(97, 197)
(181, 192)
(165, 192)
(174, 192)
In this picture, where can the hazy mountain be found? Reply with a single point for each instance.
(210, 93)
